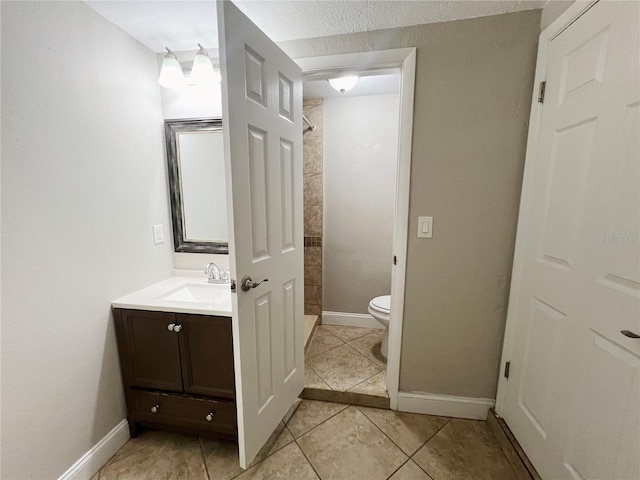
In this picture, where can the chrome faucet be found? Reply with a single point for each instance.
(215, 274)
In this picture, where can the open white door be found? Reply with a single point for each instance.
(262, 117)
(572, 398)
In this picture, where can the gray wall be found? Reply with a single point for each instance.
(360, 159)
(474, 82)
(83, 181)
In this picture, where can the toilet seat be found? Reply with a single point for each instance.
(381, 304)
(380, 309)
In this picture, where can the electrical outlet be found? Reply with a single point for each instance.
(158, 234)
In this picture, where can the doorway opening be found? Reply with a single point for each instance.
(356, 149)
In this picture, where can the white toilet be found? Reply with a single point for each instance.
(380, 309)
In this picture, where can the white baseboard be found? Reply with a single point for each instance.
(445, 405)
(350, 320)
(87, 466)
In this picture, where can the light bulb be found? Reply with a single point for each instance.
(202, 71)
(342, 84)
(171, 75)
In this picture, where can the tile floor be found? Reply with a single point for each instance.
(324, 440)
(346, 359)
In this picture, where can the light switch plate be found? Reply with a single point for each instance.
(425, 227)
(158, 234)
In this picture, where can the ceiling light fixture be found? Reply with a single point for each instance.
(343, 84)
(202, 71)
(171, 75)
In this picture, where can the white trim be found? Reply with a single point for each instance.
(99, 454)
(445, 405)
(405, 60)
(350, 320)
(547, 35)
(401, 227)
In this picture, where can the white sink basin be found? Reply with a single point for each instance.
(199, 293)
(181, 294)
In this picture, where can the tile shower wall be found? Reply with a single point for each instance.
(312, 172)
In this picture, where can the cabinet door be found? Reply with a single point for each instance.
(152, 354)
(206, 350)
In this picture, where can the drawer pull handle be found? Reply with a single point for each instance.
(171, 326)
(177, 328)
(155, 408)
(209, 416)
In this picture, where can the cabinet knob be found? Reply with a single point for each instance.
(155, 408)
(171, 326)
(177, 328)
(209, 416)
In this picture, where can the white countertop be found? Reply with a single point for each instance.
(181, 294)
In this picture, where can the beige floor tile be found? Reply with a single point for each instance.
(156, 454)
(349, 446)
(369, 346)
(284, 439)
(278, 439)
(408, 430)
(312, 380)
(292, 410)
(410, 471)
(376, 385)
(322, 341)
(343, 367)
(348, 334)
(310, 414)
(286, 464)
(221, 459)
(464, 450)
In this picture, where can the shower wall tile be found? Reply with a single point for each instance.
(313, 275)
(312, 256)
(313, 189)
(312, 150)
(313, 220)
(312, 294)
(312, 164)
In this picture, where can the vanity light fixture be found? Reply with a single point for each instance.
(342, 84)
(171, 75)
(202, 71)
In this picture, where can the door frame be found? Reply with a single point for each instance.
(402, 60)
(576, 10)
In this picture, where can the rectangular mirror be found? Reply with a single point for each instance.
(195, 156)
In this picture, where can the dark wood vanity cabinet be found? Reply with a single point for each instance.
(177, 371)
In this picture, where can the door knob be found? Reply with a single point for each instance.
(247, 284)
(155, 408)
(209, 417)
(171, 326)
(629, 334)
(177, 328)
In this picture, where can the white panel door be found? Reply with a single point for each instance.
(262, 118)
(573, 395)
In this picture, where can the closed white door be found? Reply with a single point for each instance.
(573, 395)
(262, 119)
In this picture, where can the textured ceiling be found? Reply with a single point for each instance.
(180, 25)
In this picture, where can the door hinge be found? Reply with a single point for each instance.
(233, 286)
(507, 366)
(395, 260)
(541, 89)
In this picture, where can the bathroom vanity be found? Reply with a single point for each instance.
(176, 354)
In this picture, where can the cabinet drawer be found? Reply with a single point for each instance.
(185, 411)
